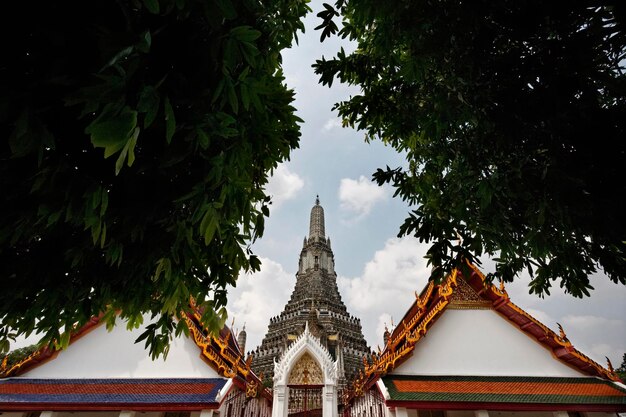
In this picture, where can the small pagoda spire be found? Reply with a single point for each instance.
(241, 339)
(386, 335)
(316, 228)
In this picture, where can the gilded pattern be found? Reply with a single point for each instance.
(306, 372)
(465, 298)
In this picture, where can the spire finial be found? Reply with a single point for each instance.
(316, 229)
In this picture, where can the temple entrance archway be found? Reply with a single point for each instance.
(305, 380)
(305, 385)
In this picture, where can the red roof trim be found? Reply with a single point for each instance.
(444, 405)
(107, 407)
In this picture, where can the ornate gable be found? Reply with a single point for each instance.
(465, 298)
(305, 345)
(472, 292)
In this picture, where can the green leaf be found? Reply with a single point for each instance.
(104, 201)
(227, 8)
(103, 235)
(245, 97)
(149, 100)
(112, 134)
(245, 33)
(64, 341)
(209, 224)
(203, 138)
(145, 42)
(170, 120)
(218, 90)
(128, 150)
(232, 97)
(152, 6)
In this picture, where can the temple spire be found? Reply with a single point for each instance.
(316, 229)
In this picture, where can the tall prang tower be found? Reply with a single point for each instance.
(316, 300)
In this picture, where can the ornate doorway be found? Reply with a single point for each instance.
(305, 385)
(305, 380)
(305, 401)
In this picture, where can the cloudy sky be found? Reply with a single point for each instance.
(378, 273)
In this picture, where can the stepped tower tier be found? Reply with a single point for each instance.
(315, 299)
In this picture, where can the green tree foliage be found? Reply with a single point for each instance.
(621, 371)
(17, 355)
(137, 138)
(512, 115)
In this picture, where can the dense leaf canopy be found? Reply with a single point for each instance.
(512, 115)
(137, 138)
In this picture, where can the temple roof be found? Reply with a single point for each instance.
(478, 390)
(471, 291)
(220, 352)
(111, 394)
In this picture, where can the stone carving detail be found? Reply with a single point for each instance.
(306, 372)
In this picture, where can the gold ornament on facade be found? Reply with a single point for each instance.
(445, 290)
(230, 373)
(252, 389)
(561, 338)
(413, 337)
(306, 371)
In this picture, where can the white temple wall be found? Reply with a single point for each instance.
(103, 354)
(480, 342)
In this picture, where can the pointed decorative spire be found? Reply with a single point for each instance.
(316, 229)
(609, 365)
(561, 332)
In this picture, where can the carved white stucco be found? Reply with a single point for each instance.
(306, 342)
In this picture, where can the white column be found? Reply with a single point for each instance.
(560, 414)
(279, 405)
(481, 413)
(127, 413)
(401, 412)
(48, 414)
(329, 401)
(202, 413)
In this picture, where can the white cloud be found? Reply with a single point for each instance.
(258, 297)
(596, 336)
(359, 196)
(386, 288)
(384, 322)
(543, 318)
(332, 124)
(283, 185)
